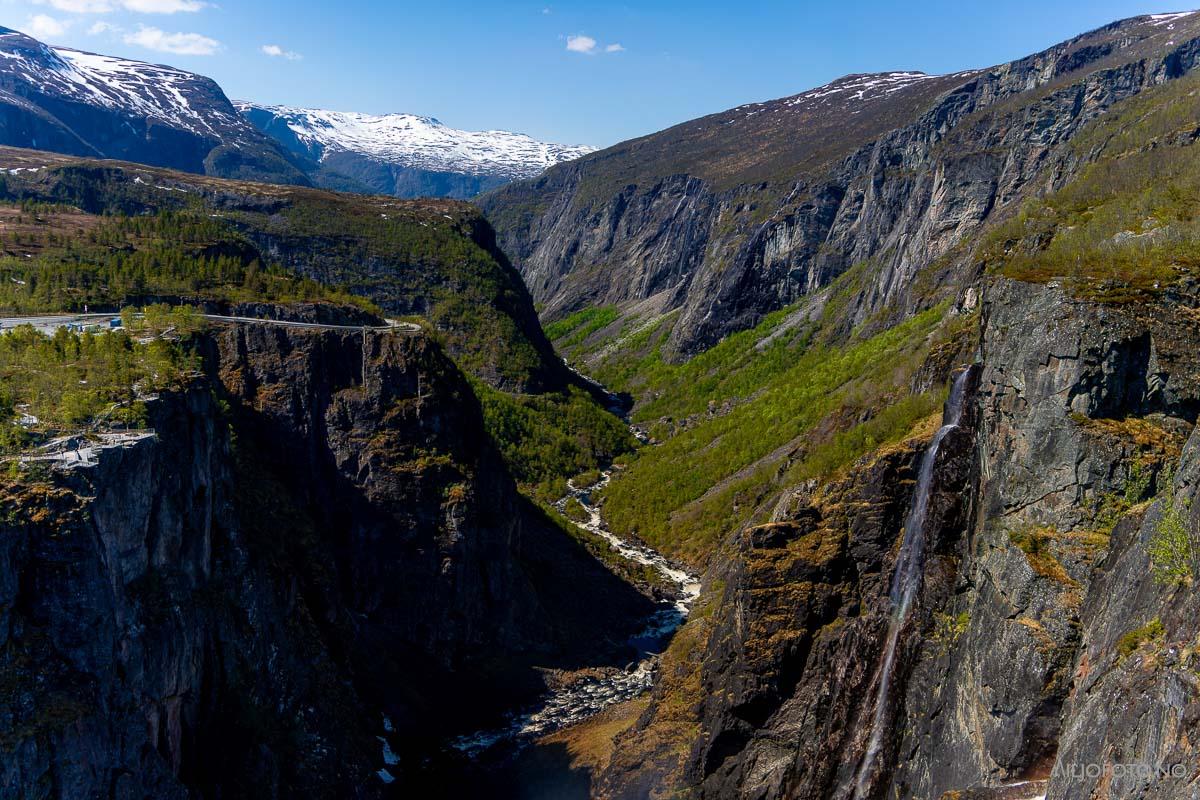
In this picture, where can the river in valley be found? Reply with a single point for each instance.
(580, 699)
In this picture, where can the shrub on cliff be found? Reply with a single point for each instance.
(1172, 551)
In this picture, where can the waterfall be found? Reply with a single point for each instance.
(907, 578)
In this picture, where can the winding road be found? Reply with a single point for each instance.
(48, 323)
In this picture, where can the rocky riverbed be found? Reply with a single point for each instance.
(581, 694)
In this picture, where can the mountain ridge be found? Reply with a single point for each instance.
(81, 103)
(417, 140)
(690, 219)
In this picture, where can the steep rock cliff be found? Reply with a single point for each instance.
(776, 687)
(1084, 407)
(317, 537)
(687, 217)
(1044, 638)
(1130, 721)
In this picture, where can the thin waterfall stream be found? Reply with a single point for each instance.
(906, 580)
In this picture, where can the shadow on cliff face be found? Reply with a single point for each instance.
(319, 549)
(538, 772)
(381, 506)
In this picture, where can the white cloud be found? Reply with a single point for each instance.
(138, 6)
(163, 6)
(275, 51)
(581, 44)
(103, 27)
(182, 44)
(41, 26)
(78, 6)
(590, 47)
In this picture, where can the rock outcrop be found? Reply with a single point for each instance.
(317, 539)
(1047, 651)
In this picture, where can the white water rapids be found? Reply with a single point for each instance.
(584, 698)
(907, 578)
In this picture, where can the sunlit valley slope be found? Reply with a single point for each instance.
(838, 446)
(787, 319)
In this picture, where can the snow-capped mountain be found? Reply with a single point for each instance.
(412, 141)
(56, 98)
(404, 154)
(163, 94)
(70, 101)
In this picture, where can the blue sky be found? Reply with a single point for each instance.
(573, 72)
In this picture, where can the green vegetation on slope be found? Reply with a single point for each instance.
(1150, 633)
(1129, 225)
(792, 399)
(736, 368)
(1173, 554)
(546, 439)
(802, 411)
(436, 263)
(56, 258)
(570, 332)
(112, 233)
(69, 381)
(75, 233)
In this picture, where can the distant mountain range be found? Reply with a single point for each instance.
(404, 154)
(78, 103)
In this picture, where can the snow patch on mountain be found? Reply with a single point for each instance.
(862, 87)
(157, 91)
(1163, 19)
(851, 93)
(165, 94)
(422, 142)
